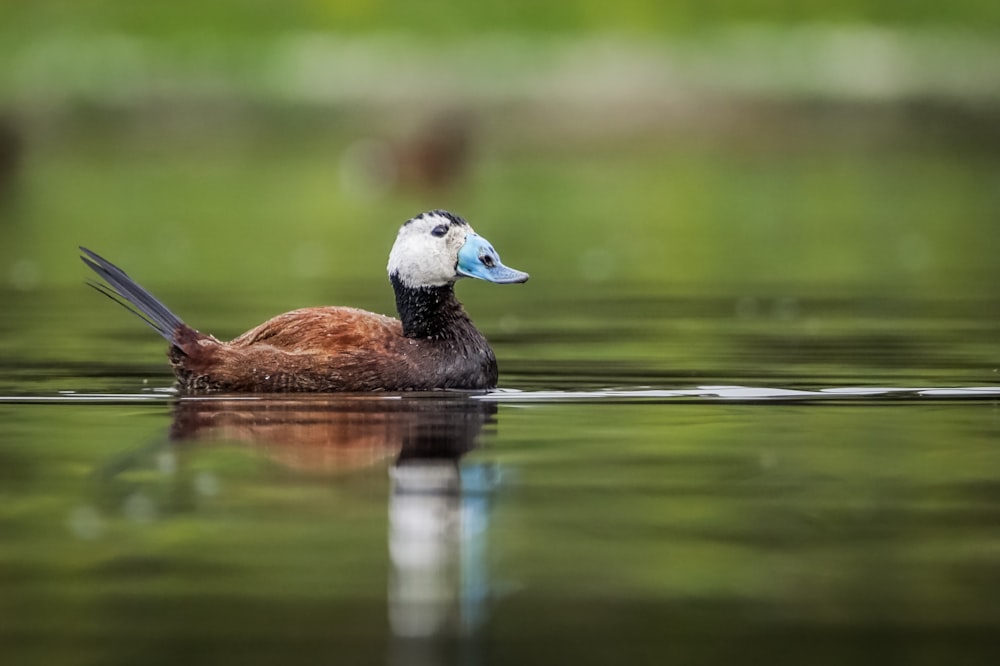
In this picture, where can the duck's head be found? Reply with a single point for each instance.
(437, 248)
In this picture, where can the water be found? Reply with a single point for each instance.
(704, 478)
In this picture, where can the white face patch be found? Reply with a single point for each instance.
(422, 259)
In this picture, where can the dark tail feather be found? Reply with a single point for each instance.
(126, 292)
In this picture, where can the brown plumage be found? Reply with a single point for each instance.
(434, 344)
(331, 349)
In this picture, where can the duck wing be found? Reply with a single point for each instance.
(310, 350)
(327, 331)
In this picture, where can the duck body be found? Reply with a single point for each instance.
(325, 349)
(433, 345)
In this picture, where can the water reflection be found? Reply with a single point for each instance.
(438, 506)
(438, 520)
(323, 434)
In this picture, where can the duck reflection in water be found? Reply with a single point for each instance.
(329, 434)
(438, 508)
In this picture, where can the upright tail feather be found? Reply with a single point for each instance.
(130, 295)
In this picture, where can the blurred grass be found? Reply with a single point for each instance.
(266, 207)
(254, 18)
(719, 147)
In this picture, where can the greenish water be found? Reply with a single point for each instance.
(748, 404)
(599, 507)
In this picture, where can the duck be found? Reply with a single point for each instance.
(433, 344)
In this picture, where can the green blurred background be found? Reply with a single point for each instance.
(684, 147)
(787, 194)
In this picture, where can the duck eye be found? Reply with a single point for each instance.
(440, 230)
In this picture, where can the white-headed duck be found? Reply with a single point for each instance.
(433, 344)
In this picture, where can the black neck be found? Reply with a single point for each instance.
(429, 312)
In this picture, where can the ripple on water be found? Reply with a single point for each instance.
(513, 396)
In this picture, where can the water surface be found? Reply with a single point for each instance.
(718, 479)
